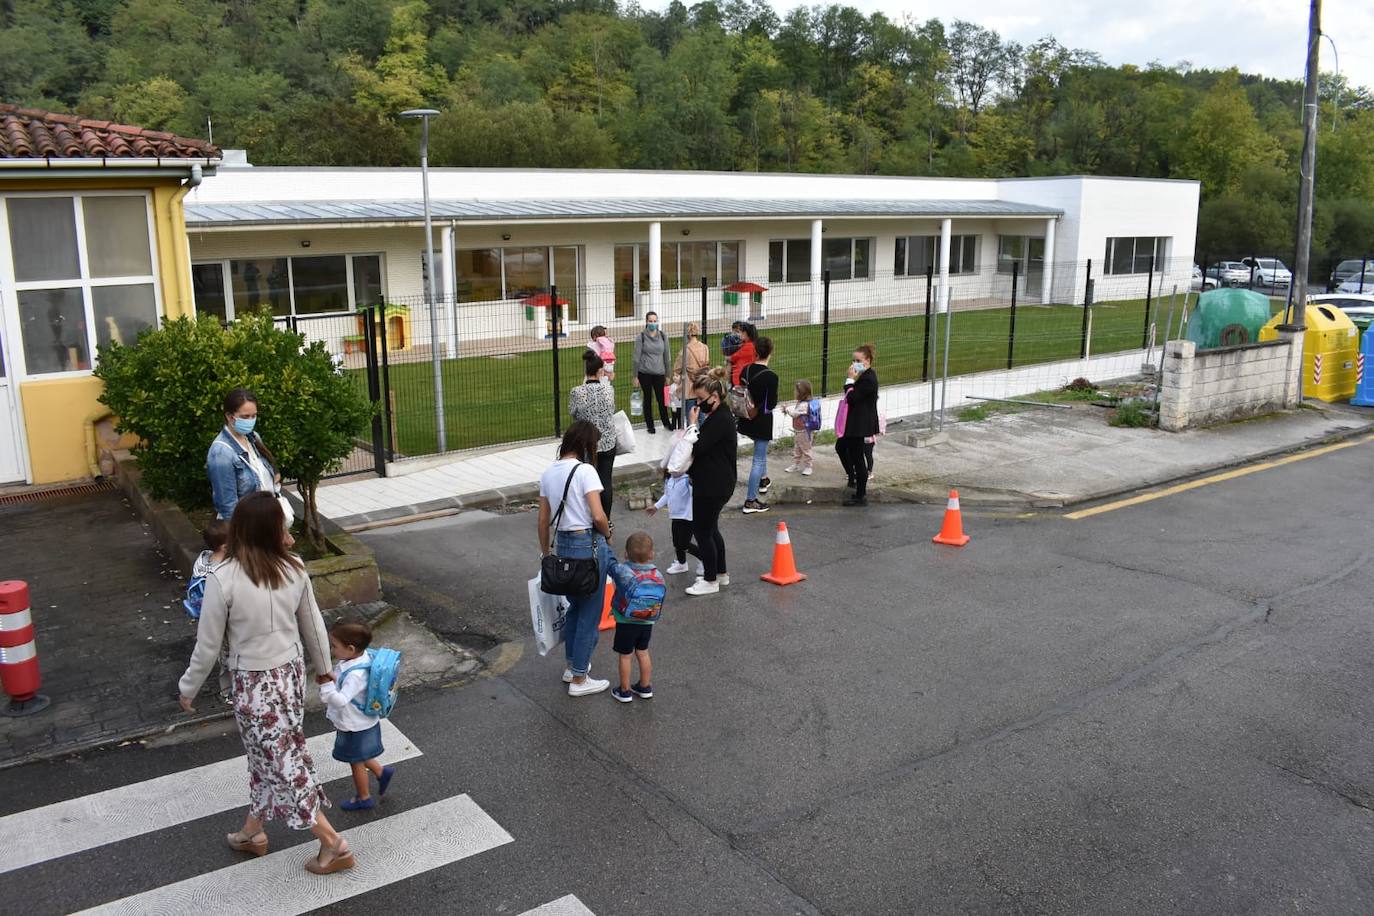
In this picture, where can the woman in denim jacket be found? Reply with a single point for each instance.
(238, 463)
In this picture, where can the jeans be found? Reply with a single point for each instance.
(759, 469)
(584, 611)
(706, 527)
(652, 386)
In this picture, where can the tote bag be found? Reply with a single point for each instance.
(548, 614)
(624, 434)
(841, 415)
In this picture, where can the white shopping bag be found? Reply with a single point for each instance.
(548, 613)
(679, 457)
(624, 434)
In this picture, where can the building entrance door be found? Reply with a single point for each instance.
(11, 460)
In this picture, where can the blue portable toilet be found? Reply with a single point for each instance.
(1364, 380)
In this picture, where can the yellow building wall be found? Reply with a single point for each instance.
(56, 410)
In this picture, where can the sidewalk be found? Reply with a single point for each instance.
(112, 636)
(497, 477)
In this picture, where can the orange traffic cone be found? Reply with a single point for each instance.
(952, 532)
(784, 570)
(607, 619)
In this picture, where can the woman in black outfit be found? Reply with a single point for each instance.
(713, 477)
(861, 393)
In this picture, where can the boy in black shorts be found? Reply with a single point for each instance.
(639, 594)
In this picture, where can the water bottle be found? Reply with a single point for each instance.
(636, 403)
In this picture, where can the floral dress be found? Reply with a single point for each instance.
(270, 709)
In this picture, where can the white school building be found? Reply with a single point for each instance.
(618, 244)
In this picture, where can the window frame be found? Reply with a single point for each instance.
(1160, 253)
(641, 265)
(226, 277)
(551, 265)
(853, 246)
(958, 242)
(13, 288)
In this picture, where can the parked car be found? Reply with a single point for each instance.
(1200, 282)
(1229, 273)
(1345, 270)
(1358, 308)
(1355, 284)
(1269, 271)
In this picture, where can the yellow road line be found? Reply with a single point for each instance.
(1217, 478)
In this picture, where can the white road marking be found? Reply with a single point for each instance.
(78, 824)
(388, 850)
(563, 906)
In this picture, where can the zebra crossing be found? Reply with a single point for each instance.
(390, 849)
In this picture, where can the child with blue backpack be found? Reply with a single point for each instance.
(806, 422)
(358, 731)
(639, 594)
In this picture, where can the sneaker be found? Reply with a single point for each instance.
(643, 691)
(764, 484)
(701, 569)
(806, 472)
(587, 687)
(856, 501)
(676, 568)
(568, 675)
(701, 588)
(790, 469)
(624, 696)
(753, 505)
(723, 579)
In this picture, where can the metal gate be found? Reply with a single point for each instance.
(357, 343)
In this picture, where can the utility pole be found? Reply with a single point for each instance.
(1307, 171)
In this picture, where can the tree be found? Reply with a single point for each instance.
(976, 58)
(168, 389)
(403, 76)
(1223, 139)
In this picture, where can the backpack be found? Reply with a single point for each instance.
(644, 603)
(380, 697)
(741, 402)
(730, 343)
(813, 415)
(195, 596)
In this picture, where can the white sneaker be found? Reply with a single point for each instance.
(722, 578)
(676, 568)
(702, 587)
(790, 469)
(587, 687)
(806, 472)
(568, 675)
(701, 569)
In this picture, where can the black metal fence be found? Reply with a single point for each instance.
(499, 371)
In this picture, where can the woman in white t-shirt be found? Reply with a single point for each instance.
(583, 532)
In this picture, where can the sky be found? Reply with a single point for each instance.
(1259, 36)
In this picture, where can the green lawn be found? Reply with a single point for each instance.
(489, 400)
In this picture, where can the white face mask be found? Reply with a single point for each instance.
(858, 367)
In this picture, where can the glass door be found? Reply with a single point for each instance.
(567, 278)
(11, 464)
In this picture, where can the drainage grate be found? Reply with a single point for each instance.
(33, 496)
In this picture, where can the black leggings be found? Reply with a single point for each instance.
(844, 459)
(854, 458)
(706, 527)
(682, 540)
(653, 384)
(605, 468)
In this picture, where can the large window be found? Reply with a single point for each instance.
(915, 255)
(685, 263)
(493, 274)
(789, 260)
(84, 276)
(1132, 254)
(311, 285)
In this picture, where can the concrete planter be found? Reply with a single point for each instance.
(348, 577)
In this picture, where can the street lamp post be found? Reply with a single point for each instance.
(424, 114)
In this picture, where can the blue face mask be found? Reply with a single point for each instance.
(652, 326)
(244, 427)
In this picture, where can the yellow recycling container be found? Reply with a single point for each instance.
(1330, 349)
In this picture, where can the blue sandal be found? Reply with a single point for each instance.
(358, 804)
(385, 779)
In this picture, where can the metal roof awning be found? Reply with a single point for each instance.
(286, 213)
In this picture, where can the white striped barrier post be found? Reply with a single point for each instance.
(19, 675)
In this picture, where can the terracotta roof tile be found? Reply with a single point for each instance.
(28, 133)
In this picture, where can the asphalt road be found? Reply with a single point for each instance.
(1161, 709)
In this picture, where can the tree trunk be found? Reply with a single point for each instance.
(314, 533)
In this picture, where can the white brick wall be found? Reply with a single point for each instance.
(1211, 386)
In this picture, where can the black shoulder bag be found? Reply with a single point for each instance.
(565, 575)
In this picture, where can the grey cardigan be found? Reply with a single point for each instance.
(266, 628)
(653, 355)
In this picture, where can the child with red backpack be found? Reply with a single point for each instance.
(639, 594)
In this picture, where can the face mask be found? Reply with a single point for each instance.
(858, 367)
(652, 326)
(244, 427)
